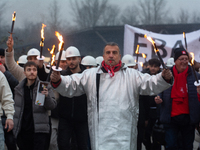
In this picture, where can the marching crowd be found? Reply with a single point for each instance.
(99, 104)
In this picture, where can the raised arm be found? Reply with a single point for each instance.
(155, 84)
(14, 69)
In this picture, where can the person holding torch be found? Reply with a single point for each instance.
(180, 104)
(112, 92)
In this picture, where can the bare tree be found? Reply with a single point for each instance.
(195, 18)
(183, 16)
(90, 13)
(54, 20)
(2, 9)
(110, 16)
(130, 15)
(152, 11)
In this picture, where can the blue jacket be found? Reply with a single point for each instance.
(194, 104)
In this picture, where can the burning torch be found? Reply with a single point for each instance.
(196, 83)
(42, 42)
(137, 53)
(13, 22)
(144, 56)
(184, 36)
(156, 50)
(52, 52)
(61, 46)
(141, 64)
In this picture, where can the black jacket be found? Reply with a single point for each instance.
(12, 81)
(75, 108)
(145, 104)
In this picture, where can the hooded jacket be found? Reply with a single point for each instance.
(40, 113)
(113, 120)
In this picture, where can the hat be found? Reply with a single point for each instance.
(2, 52)
(178, 52)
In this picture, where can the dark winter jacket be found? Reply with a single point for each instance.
(147, 102)
(40, 113)
(194, 104)
(12, 81)
(75, 108)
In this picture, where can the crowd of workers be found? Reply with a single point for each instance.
(99, 104)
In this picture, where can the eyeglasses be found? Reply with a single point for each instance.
(183, 59)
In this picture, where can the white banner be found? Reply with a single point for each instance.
(166, 43)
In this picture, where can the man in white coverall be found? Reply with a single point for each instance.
(113, 117)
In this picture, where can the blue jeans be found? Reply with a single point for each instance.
(179, 131)
(1, 137)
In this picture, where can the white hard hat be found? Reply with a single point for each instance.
(22, 59)
(170, 62)
(89, 61)
(72, 52)
(99, 60)
(128, 60)
(62, 57)
(33, 52)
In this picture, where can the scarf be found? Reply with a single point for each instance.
(112, 69)
(179, 89)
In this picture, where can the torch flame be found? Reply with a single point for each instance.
(141, 64)
(183, 34)
(60, 38)
(42, 35)
(42, 31)
(137, 50)
(152, 42)
(192, 61)
(143, 55)
(52, 51)
(14, 16)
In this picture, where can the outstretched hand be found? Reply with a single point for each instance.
(55, 76)
(167, 74)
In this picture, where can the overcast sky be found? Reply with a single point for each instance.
(37, 10)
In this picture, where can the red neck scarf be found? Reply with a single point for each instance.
(179, 89)
(112, 69)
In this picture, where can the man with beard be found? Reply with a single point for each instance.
(31, 121)
(113, 103)
(18, 71)
(73, 110)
